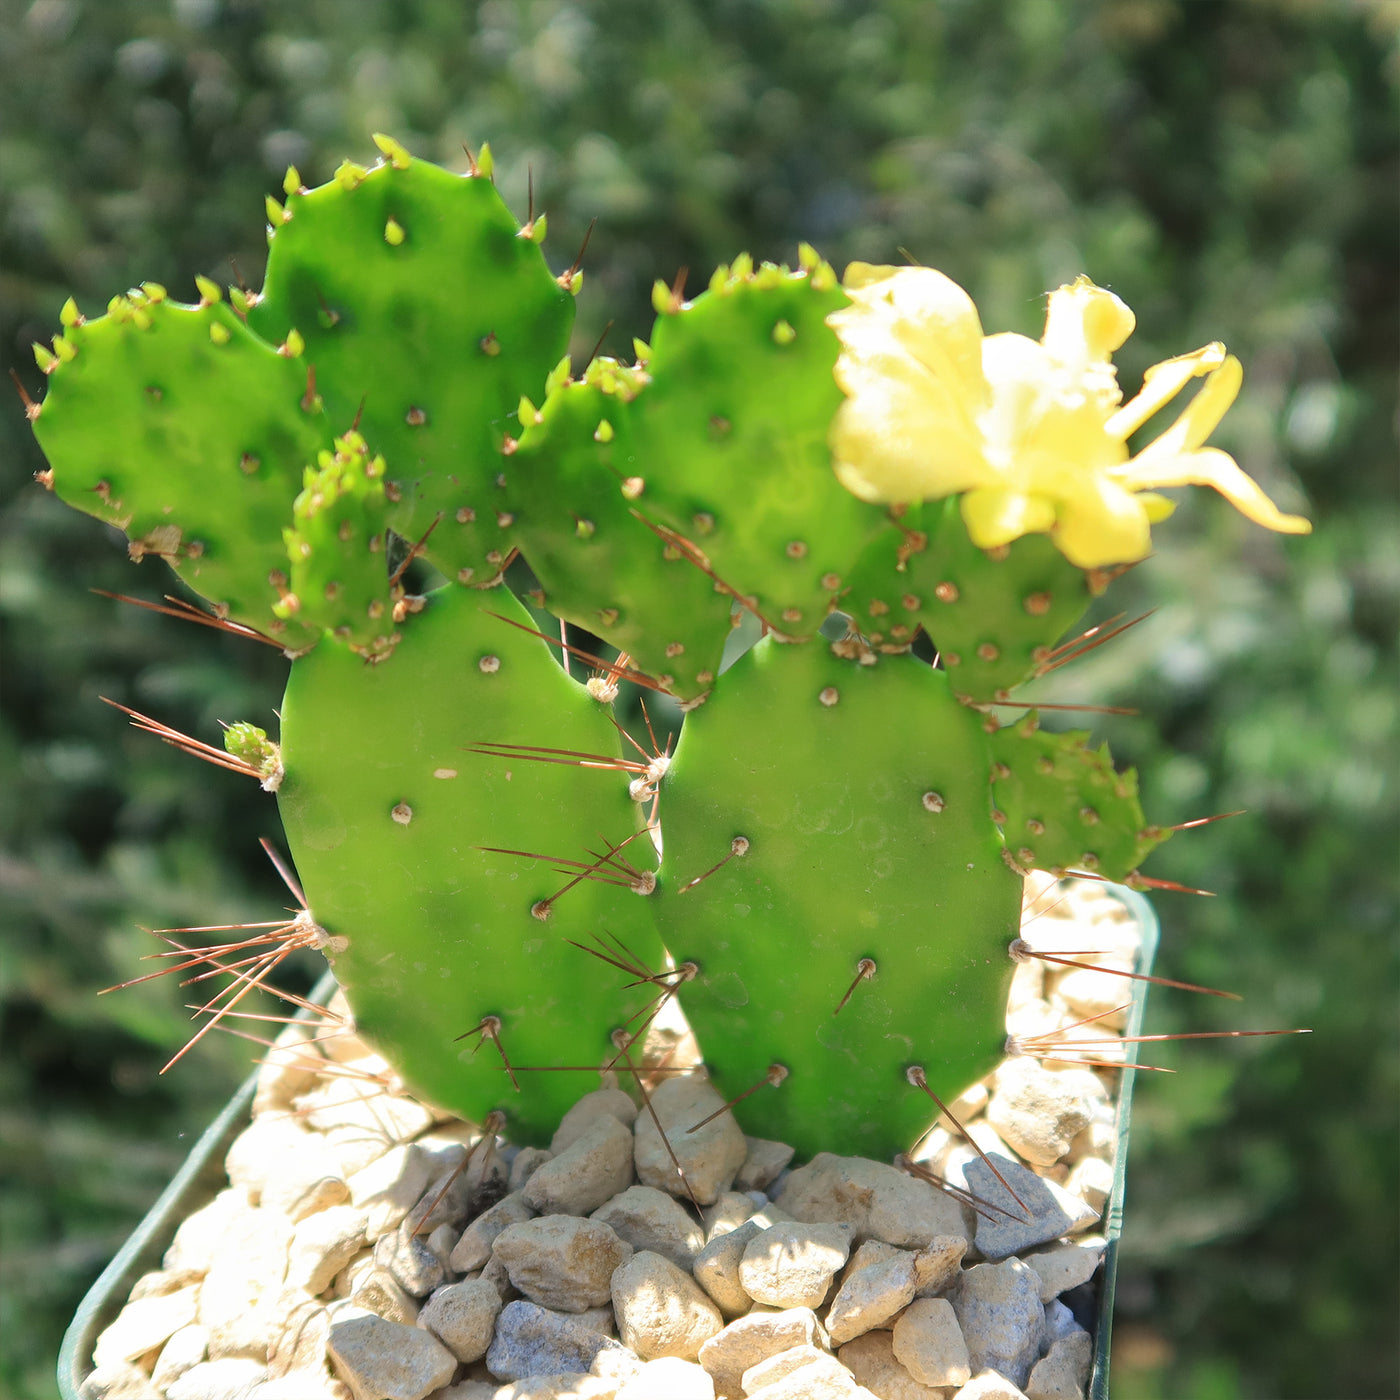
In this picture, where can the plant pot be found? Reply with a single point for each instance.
(202, 1176)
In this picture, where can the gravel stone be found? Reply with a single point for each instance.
(201, 1235)
(792, 1265)
(709, 1157)
(462, 1316)
(1040, 1111)
(1092, 1181)
(1066, 1265)
(716, 1268)
(660, 1309)
(390, 1187)
(763, 1165)
(1062, 1372)
(1003, 1322)
(650, 1219)
(1053, 1211)
(532, 1341)
(238, 1296)
(300, 1340)
(749, 1340)
(380, 1293)
(230, 1378)
(383, 1360)
(730, 1211)
(562, 1262)
(880, 1202)
(774, 1368)
(872, 1362)
(929, 1344)
(415, 1268)
(566, 1385)
(322, 1245)
(261, 1149)
(990, 1385)
(880, 1281)
(936, 1267)
(474, 1248)
(828, 1380)
(593, 1169)
(669, 1378)
(185, 1349)
(527, 1162)
(146, 1324)
(572, 1126)
(351, 1102)
(118, 1380)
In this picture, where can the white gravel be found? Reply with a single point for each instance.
(584, 1270)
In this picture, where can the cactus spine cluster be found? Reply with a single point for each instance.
(825, 867)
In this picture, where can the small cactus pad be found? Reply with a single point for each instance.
(179, 426)
(598, 564)
(427, 312)
(731, 446)
(993, 615)
(339, 580)
(387, 807)
(1062, 806)
(807, 829)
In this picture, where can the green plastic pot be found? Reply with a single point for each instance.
(202, 1177)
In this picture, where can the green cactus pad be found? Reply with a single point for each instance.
(387, 807)
(835, 833)
(993, 615)
(1062, 805)
(427, 312)
(598, 564)
(731, 441)
(181, 427)
(339, 580)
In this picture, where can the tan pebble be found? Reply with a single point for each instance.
(880, 1281)
(710, 1156)
(716, 1268)
(749, 1340)
(650, 1219)
(872, 1362)
(593, 1169)
(669, 1378)
(562, 1262)
(929, 1344)
(660, 1309)
(462, 1316)
(612, 1102)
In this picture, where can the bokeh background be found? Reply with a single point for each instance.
(1228, 166)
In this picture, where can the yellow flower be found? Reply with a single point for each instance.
(1032, 435)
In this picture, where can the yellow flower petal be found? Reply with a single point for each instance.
(1102, 525)
(1162, 383)
(1209, 466)
(1085, 324)
(996, 515)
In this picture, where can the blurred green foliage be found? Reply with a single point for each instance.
(1228, 166)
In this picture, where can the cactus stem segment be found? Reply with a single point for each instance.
(775, 1076)
(865, 970)
(489, 1028)
(916, 1076)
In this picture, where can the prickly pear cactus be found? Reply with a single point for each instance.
(831, 522)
